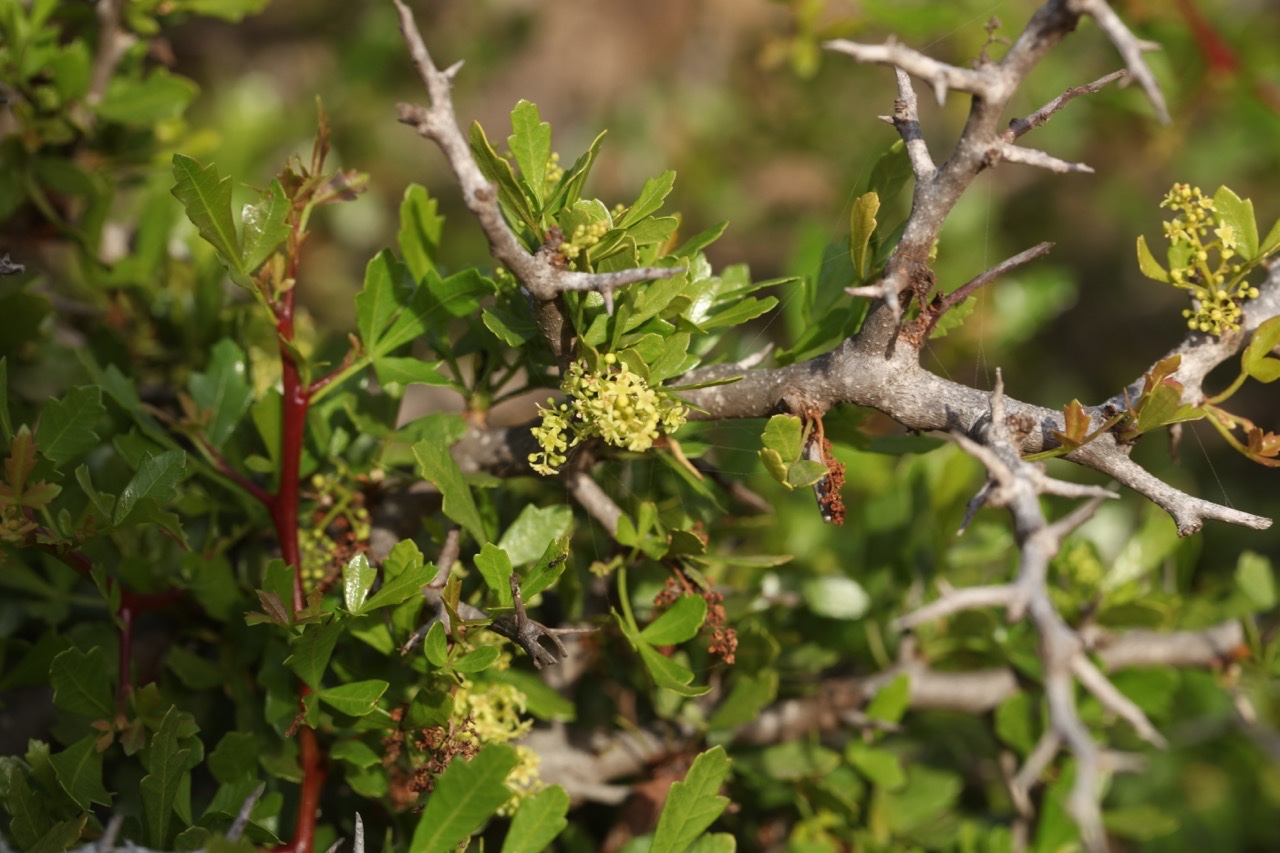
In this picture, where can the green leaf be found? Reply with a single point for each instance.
(266, 225)
(569, 190)
(540, 818)
(534, 528)
(408, 371)
(679, 623)
(400, 588)
(223, 391)
(1255, 360)
(207, 201)
(514, 330)
(652, 195)
(1148, 264)
(892, 700)
(1237, 213)
(510, 195)
(436, 464)
(693, 804)
(530, 144)
(783, 435)
(420, 228)
(60, 836)
(160, 787)
(749, 694)
(668, 673)
(155, 480)
(79, 770)
(388, 292)
(476, 661)
(235, 758)
(66, 425)
(495, 568)
(739, 313)
(891, 172)
(774, 465)
(28, 810)
(357, 753)
(158, 97)
(862, 224)
(465, 796)
(880, 766)
(355, 699)
(434, 645)
(548, 568)
(312, 650)
(81, 683)
(1272, 240)
(357, 578)
(1256, 579)
(804, 472)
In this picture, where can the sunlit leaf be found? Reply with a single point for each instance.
(207, 201)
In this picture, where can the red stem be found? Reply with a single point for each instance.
(284, 515)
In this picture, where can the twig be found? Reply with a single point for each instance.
(942, 304)
(1020, 126)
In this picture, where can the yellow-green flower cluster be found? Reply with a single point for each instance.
(1212, 272)
(616, 405)
(494, 711)
(584, 237)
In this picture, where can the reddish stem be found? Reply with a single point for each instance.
(284, 515)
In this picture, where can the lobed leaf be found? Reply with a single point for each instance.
(207, 201)
(223, 391)
(156, 480)
(66, 425)
(420, 228)
(530, 144)
(436, 464)
(692, 804)
(160, 788)
(265, 225)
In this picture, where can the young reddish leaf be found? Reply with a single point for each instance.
(1076, 423)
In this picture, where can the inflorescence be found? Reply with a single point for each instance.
(1218, 284)
(616, 405)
